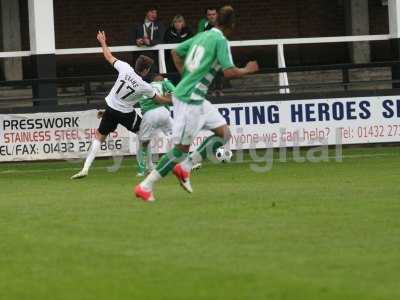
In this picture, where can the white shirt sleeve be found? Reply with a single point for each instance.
(122, 66)
(148, 91)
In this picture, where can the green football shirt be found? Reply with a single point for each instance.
(162, 88)
(202, 25)
(205, 54)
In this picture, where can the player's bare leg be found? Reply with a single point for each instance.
(94, 148)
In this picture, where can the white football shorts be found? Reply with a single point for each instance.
(190, 119)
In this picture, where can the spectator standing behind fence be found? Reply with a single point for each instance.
(177, 33)
(149, 33)
(208, 21)
(205, 24)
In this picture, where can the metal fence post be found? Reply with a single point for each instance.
(283, 77)
(161, 61)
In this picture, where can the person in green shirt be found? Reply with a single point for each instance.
(209, 21)
(198, 60)
(155, 117)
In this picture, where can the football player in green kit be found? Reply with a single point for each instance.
(155, 117)
(198, 60)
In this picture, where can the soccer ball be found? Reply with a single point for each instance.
(223, 155)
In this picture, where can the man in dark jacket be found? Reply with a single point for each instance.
(149, 33)
(208, 21)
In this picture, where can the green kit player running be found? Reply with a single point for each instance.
(198, 60)
(155, 117)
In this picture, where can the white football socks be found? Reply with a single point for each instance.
(193, 159)
(92, 155)
(148, 182)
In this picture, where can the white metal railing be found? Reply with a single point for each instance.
(279, 43)
(15, 54)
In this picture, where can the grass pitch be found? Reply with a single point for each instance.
(301, 231)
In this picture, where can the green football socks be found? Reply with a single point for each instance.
(209, 146)
(142, 159)
(169, 160)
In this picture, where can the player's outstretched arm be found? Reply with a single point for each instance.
(250, 68)
(178, 61)
(163, 99)
(101, 37)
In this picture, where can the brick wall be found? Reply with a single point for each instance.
(379, 24)
(379, 21)
(76, 22)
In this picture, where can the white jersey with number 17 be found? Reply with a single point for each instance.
(128, 89)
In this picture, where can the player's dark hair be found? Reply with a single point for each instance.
(226, 16)
(150, 8)
(210, 8)
(143, 63)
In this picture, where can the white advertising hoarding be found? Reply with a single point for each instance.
(66, 135)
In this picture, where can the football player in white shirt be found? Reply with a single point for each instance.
(126, 92)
